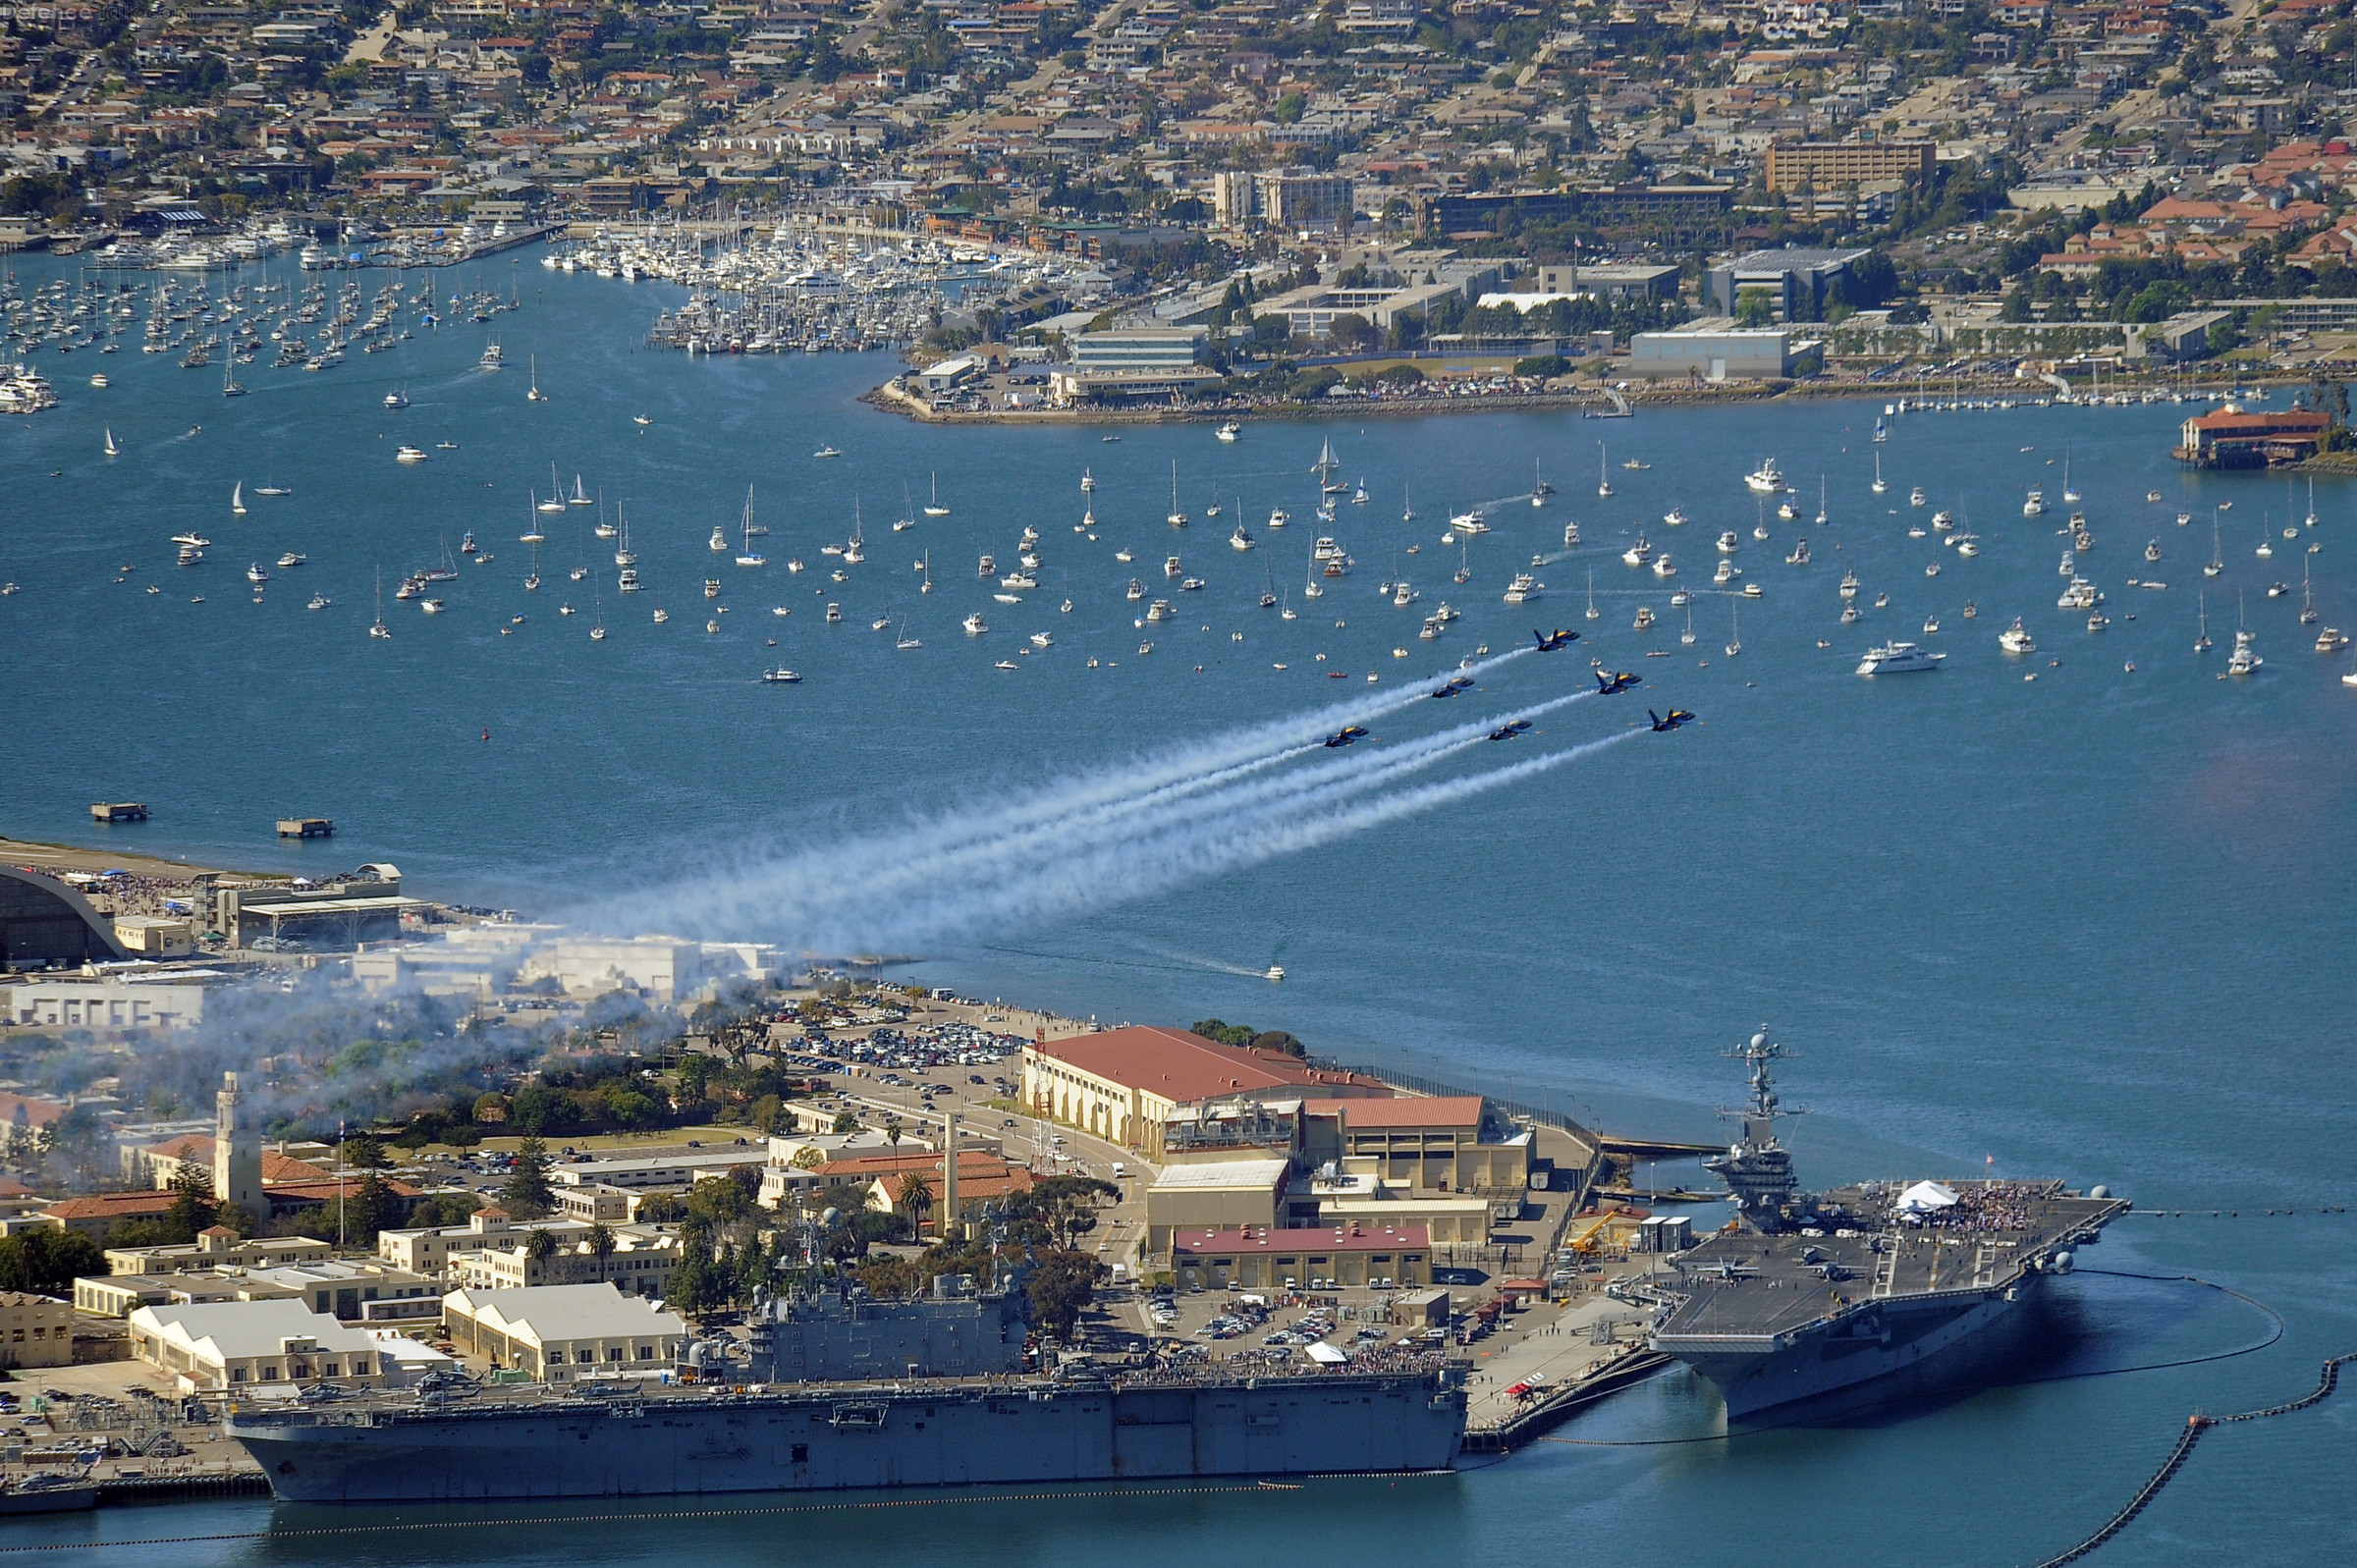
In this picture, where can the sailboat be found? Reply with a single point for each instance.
(1686, 637)
(379, 628)
(2201, 641)
(579, 497)
(531, 534)
(230, 387)
(750, 557)
(926, 565)
(597, 624)
(933, 508)
(1882, 430)
(1604, 481)
(2307, 598)
(2217, 562)
(111, 448)
(1734, 635)
(623, 554)
(270, 485)
(1593, 611)
(1821, 501)
(1325, 468)
(2069, 495)
(902, 640)
(907, 518)
(2311, 518)
(1879, 485)
(1312, 589)
(535, 395)
(1178, 519)
(237, 499)
(1407, 511)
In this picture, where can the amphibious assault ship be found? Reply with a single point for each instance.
(862, 1393)
(1862, 1292)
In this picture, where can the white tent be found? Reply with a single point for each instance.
(1923, 1198)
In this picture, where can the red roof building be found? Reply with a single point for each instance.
(1122, 1084)
(2233, 439)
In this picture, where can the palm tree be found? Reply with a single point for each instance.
(601, 1246)
(539, 1248)
(916, 1197)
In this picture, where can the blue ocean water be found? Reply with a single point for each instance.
(2094, 925)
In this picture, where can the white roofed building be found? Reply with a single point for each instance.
(245, 1344)
(559, 1332)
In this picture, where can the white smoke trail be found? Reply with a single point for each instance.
(810, 884)
(883, 854)
(871, 896)
(1173, 860)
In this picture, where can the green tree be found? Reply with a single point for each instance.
(1060, 1288)
(193, 1204)
(46, 1262)
(1755, 307)
(539, 1248)
(602, 1243)
(916, 1197)
(845, 1121)
(364, 1153)
(526, 1194)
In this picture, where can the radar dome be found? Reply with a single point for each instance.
(831, 1216)
(2099, 1192)
(1759, 1041)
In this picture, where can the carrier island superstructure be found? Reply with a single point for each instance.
(1861, 1292)
(841, 1391)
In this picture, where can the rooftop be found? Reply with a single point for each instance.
(1172, 1065)
(1404, 1110)
(566, 1311)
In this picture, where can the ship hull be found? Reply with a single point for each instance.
(1903, 1348)
(662, 1447)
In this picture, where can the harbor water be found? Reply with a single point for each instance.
(2093, 925)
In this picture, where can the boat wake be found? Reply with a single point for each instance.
(959, 876)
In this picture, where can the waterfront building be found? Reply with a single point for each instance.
(2233, 439)
(1453, 1143)
(35, 1331)
(45, 923)
(1713, 348)
(1123, 1085)
(248, 1344)
(1170, 349)
(1305, 1258)
(558, 1333)
(639, 1263)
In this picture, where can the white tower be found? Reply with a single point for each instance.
(236, 1155)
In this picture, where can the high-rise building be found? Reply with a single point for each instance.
(237, 1153)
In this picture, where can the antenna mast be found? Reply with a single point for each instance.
(1757, 1169)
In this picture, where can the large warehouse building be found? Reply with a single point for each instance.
(45, 923)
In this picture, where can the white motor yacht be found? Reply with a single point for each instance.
(2016, 639)
(1767, 479)
(1638, 553)
(1899, 659)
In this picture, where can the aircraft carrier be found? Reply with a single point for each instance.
(454, 1439)
(1865, 1292)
